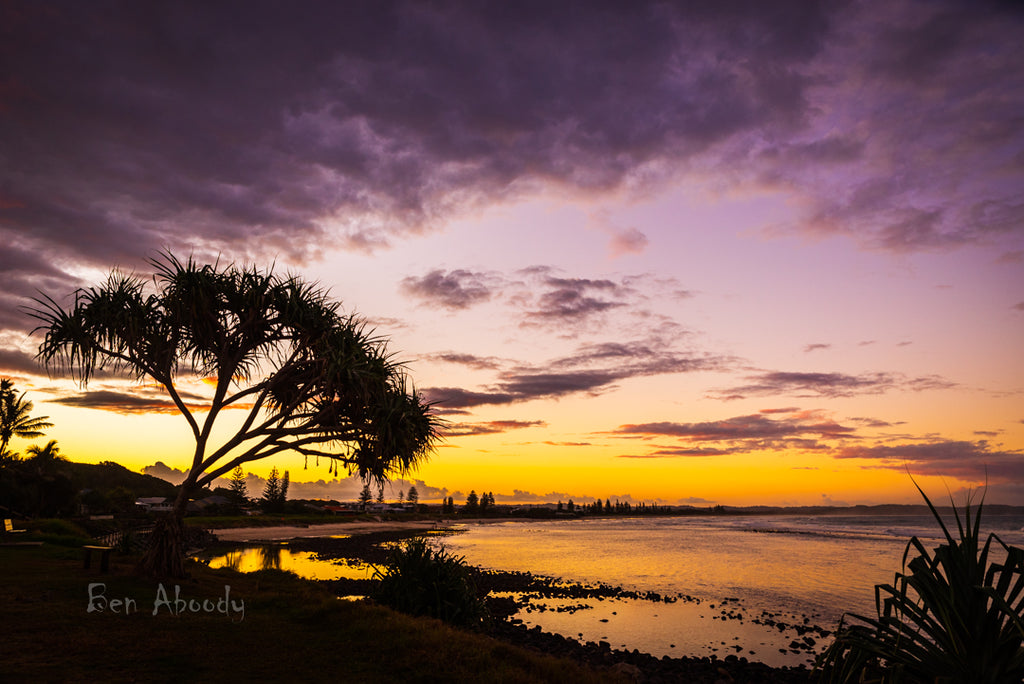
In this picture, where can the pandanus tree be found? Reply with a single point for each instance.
(305, 377)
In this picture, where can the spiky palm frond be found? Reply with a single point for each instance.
(953, 615)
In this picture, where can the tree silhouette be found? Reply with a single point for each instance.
(15, 420)
(239, 490)
(307, 378)
(44, 458)
(272, 492)
(413, 496)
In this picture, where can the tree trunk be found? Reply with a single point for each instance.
(165, 556)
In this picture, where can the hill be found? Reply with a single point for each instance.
(107, 476)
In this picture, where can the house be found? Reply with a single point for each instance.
(154, 504)
(340, 510)
(384, 508)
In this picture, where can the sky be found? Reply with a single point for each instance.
(727, 252)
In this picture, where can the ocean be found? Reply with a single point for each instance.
(750, 586)
(746, 574)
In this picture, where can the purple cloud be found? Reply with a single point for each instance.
(276, 131)
(792, 429)
(255, 131)
(142, 401)
(469, 360)
(756, 426)
(687, 453)
(829, 385)
(593, 370)
(567, 300)
(491, 427)
(972, 461)
(457, 289)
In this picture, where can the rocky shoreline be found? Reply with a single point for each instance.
(636, 664)
(639, 666)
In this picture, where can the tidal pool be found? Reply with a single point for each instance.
(305, 564)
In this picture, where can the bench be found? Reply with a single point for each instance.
(9, 526)
(104, 552)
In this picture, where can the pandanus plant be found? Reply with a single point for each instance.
(954, 615)
(305, 378)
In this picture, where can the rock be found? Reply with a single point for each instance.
(627, 670)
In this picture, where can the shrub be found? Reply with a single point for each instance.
(421, 580)
(953, 615)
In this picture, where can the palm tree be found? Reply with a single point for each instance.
(45, 457)
(15, 420)
(307, 378)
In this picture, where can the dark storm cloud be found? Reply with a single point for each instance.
(24, 274)
(593, 370)
(457, 289)
(935, 94)
(132, 127)
(16, 362)
(829, 385)
(255, 128)
(973, 461)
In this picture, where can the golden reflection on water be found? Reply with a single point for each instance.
(305, 564)
(676, 629)
(821, 576)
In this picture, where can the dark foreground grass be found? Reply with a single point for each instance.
(292, 630)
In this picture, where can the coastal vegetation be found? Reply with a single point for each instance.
(15, 418)
(308, 378)
(45, 483)
(293, 630)
(952, 615)
(421, 580)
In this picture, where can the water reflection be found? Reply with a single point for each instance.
(305, 564)
(682, 628)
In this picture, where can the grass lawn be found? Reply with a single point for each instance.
(292, 631)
